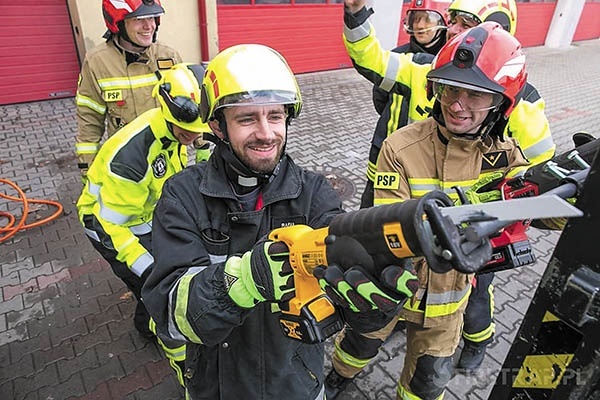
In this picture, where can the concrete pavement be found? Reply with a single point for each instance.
(65, 319)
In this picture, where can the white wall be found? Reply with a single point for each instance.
(564, 22)
(387, 20)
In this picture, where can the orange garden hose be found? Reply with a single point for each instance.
(10, 229)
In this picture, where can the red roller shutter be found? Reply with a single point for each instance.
(533, 22)
(309, 36)
(589, 22)
(38, 59)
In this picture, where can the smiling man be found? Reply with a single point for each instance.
(117, 77)
(217, 283)
(127, 177)
(257, 135)
(476, 81)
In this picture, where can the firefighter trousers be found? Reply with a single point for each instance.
(427, 364)
(479, 324)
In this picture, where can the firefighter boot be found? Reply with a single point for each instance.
(472, 356)
(335, 384)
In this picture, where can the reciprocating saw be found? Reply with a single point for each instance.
(562, 176)
(380, 236)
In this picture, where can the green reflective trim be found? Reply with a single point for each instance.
(86, 148)
(84, 101)
(128, 83)
(350, 360)
(183, 296)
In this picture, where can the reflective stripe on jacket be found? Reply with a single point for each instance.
(112, 90)
(125, 182)
(419, 158)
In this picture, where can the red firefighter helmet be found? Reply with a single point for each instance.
(484, 58)
(115, 11)
(437, 11)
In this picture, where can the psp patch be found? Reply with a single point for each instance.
(159, 166)
(112, 95)
(387, 180)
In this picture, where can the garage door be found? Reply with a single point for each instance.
(306, 32)
(38, 60)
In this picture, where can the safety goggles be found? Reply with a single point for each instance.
(469, 99)
(464, 18)
(427, 21)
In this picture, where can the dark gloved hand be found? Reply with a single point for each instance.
(484, 190)
(357, 290)
(202, 149)
(262, 274)
(83, 176)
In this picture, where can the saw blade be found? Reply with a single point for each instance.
(545, 206)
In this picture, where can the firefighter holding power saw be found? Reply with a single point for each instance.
(217, 284)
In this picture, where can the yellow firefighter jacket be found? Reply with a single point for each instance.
(124, 184)
(112, 93)
(419, 158)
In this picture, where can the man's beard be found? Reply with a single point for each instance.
(263, 166)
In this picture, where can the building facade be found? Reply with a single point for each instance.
(43, 41)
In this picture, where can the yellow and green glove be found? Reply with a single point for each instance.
(357, 290)
(262, 274)
(485, 189)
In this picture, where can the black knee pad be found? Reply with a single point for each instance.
(431, 376)
(360, 346)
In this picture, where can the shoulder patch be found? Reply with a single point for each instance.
(165, 63)
(387, 180)
(159, 166)
(494, 160)
(112, 95)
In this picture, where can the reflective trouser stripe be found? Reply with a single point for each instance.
(479, 337)
(92, 234)
(174, 352)
(404, 394)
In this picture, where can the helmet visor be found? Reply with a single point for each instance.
(469, 97)
(258, 98)
(421, 21)
(463, 18)
(152, 10)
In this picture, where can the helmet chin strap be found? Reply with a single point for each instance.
(434, 39)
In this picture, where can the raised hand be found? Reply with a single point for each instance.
(354, 5)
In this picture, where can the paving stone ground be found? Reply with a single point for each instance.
(65, 319)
